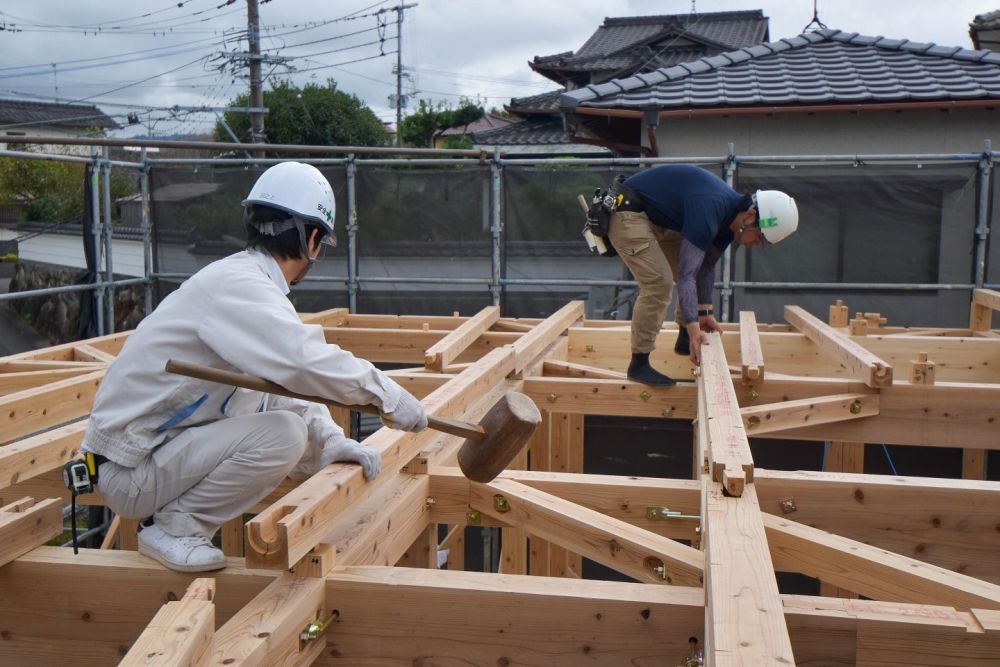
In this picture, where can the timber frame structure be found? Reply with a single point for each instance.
(339, 571)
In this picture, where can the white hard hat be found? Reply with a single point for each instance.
(777, 214)
(300, 190)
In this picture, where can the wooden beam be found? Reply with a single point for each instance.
(391, 346)
(266, 630)
(634, 500)
(870, 571)
(111, 344)
(286, 531)
(19, 381)
(742, 607)
(454, 545)
(593, 535)
(860, 363)
(984, 302)
(611, 397)
(945, 522)
(570, 370)
(730, 460)
(531, 344)
(510, 619)
(25, 524)
(84, 352)
(36, 455)
(33, 410)
(333, 317)
(773, 417)
(446, 350)
(751, 355)
(180, 633)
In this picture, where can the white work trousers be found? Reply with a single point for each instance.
(207, 475)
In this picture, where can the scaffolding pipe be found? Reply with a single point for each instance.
(95, 209)
(109, 276)
(982, 211)
(241, 161)
(272, 148)
(727, 256)
(48, 291)
(147, 239)
(352, 236)
(496, 227)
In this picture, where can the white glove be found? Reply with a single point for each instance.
(339, 448)
(409, 415)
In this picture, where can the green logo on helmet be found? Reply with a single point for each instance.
(767, 222)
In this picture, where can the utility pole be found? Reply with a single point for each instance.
(256, 91)
(400, 100)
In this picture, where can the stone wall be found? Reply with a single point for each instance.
(57, 316)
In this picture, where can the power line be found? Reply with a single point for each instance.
(150, 78)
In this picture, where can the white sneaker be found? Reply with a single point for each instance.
(182, 554)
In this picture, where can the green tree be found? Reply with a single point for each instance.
(418, 128)
(52, 191)
(313, 116)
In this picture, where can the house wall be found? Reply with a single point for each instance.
(14, 136)
(866, 132)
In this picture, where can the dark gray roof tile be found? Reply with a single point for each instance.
(828, 66)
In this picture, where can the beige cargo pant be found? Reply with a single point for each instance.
(207, 475)
(650, 252)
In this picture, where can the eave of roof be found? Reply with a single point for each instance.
(779, 73)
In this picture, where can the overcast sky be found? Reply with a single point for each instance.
(451, 48)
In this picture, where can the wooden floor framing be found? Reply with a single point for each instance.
(335, 570)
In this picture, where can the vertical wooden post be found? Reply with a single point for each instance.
(128, 534)
(842, 457)
(566, 452)
(423, 552)
(540, 455)
(513, 541)
(232, 537)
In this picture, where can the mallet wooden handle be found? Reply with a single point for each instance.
(450, 426)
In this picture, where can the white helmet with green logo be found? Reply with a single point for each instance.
(300, 190)
(777, 214)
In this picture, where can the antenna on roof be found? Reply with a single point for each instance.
(815, 19)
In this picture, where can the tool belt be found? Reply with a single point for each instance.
(630, 200)
(94, 462)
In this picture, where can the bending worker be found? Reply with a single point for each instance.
(193, 454)
(678, 220)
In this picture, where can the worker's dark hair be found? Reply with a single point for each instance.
(284, 245)
(747, 202)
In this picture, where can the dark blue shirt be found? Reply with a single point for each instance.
(690, 200)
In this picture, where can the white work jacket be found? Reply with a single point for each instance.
(233, 315)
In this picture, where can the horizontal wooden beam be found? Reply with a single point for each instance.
(26, 524)
(870, 571)
(508, 620)
(407, 347)
(33, 410)
(49, 450)
(729, 457)
(644, 502)
(611, 397)
(568, 369)
(613, 543)
(180, 633)
(22, 380)
(446, 350)
(84, 352)
(860, 363)
(773, 417)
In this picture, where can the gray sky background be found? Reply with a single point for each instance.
(451, 48)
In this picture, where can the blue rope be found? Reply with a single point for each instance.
(892, 466)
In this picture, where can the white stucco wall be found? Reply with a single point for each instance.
(864, 132)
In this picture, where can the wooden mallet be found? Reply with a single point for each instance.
(489, 446)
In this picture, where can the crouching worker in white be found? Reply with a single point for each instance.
(193, 454)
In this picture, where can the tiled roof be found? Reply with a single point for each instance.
(659, 41)
(985, 31)
(826, 66)
(547, 134)
(487, 122)
(24, 114)
(543, 103)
